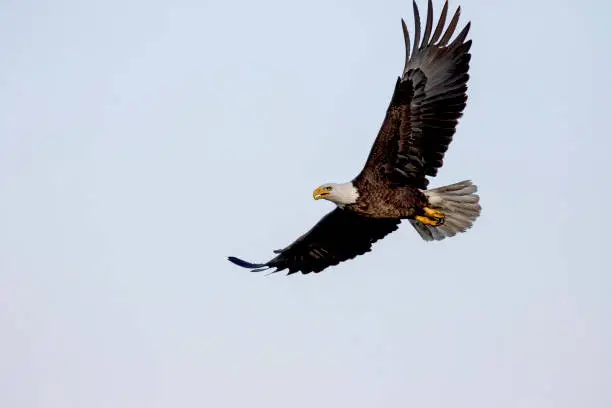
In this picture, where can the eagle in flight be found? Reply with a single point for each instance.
(419, 125)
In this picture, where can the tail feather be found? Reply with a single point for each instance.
(460, 205)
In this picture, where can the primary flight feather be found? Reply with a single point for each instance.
(427, 102)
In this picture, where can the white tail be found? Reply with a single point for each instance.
(458, 202)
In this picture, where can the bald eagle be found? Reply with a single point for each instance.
(428, 100)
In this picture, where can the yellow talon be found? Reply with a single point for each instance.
(430, 212)
(432, 217)
(428, 221)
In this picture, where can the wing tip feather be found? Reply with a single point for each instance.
(428, 24)
(462, 34)
(451, 27)
(406, 42)
(417, 27)
(245, 264)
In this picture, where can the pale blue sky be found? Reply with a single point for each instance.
(142, 142)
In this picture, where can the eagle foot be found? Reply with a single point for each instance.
(435, 214)
(432, 217)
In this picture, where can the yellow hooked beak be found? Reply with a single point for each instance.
(320, 193)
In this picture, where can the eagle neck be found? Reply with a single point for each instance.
(345, 194)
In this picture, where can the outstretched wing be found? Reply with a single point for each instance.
(427, 102)
(339, 236)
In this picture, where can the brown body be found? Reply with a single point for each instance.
(382, 201)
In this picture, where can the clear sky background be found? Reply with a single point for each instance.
(142, 142)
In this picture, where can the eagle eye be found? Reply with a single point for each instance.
(328, 188)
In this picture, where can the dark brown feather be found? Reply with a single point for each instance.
(339, 236)
(429, 23)
(425, 107)
(406, 42)
(417, 28)
(451, 28)
(441, 23)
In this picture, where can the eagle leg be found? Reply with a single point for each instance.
(432, 217)
(435, 214)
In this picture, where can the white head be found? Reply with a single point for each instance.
(340, 194)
